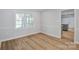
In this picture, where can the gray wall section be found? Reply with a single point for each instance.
(7, 24)
(51, 23)
(77, 26)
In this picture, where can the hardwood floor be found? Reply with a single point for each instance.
(40, 41)
(68, 35)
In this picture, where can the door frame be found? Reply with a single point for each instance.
(74, 25)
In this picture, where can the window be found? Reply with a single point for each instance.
(23, 20)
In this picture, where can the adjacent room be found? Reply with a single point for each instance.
(39, 29)
(67, 23)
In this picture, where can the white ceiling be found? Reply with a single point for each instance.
(41, 10)
(37, 10)
(67, 12)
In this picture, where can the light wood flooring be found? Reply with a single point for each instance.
(41, 41)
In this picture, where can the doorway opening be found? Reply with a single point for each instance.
(67, 25)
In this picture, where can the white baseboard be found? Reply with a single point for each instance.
(18, 36)
(28, 35)
(76, 42)
(52, 35)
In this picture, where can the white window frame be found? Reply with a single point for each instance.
(23, 20)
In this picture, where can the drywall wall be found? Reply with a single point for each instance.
(69, 21)
(0, 45)
(68, 18)
(48, 22)
(8, 26)
(6, 23)
(76, 39)
(51, 22)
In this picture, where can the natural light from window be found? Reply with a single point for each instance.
(23, 20)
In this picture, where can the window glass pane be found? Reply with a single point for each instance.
(27, 20)
(23, 20)
(19, 16)
(18, 26)
(30, 20)
(18, 22)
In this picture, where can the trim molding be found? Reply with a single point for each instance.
(76, 42)
(52, 35)
(12, 38)
(19, 36)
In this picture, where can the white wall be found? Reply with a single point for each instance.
(48, 22)
(68, 18)
(76, 26)
(7, 24)
(51, 22)
(69, 21)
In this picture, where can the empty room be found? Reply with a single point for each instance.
(39, 29)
